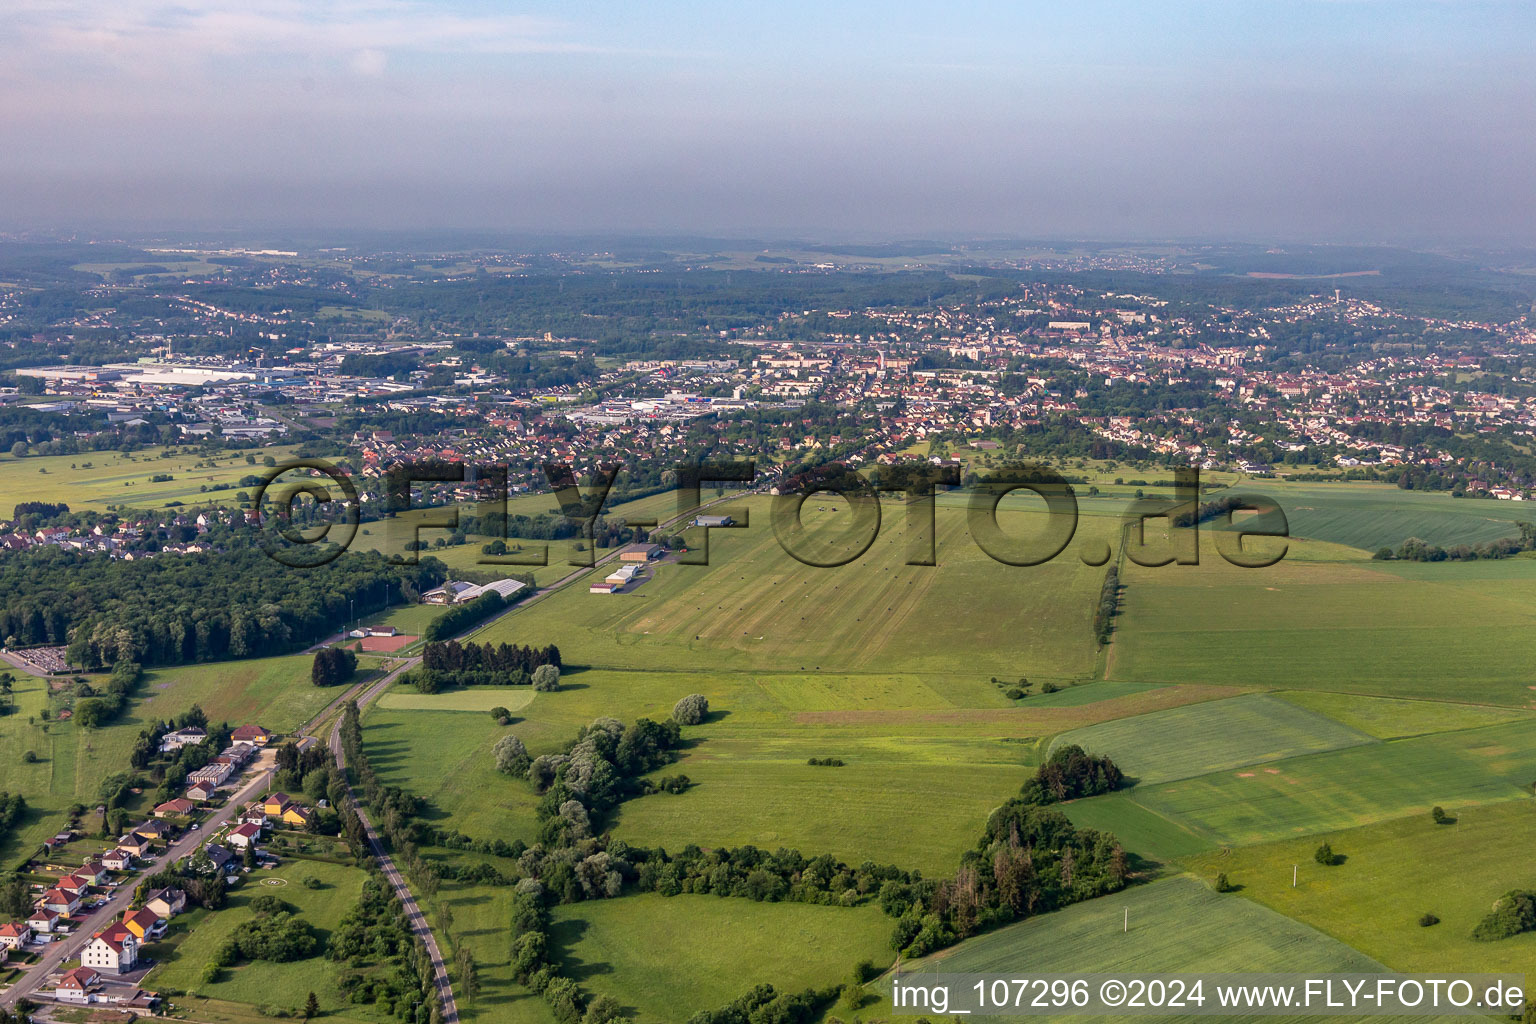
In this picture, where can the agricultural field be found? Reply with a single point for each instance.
(262, 983)
(1394, 872)
(1203, 738)
(1369, 515)
(97, 480)
(1457, 632)
(748, 609)
(274, 692)
(1352, 786)
(661, 956)
(1175, 925)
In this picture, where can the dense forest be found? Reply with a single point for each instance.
(172, 609)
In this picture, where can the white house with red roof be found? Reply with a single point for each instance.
(43, 921)
(14, 936)
(60, 902)
(113, 950)
(245, 835)
(75, 986)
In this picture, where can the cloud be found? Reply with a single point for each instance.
(369, 63)
(359, 34)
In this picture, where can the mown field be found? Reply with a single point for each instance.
(1353, 786)
(95, 480)
(1188, 741)
(755, 607)
(1369, 516)
(667, 957)
(1393, 873)
(1176, 925)
(1447, 632)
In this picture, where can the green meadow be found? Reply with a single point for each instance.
(94, 480)
(263, 983)
(667, 957)
(1202, 738)
(1353, 786)
(1176, 925)
(1443, 632)
(1392, 873)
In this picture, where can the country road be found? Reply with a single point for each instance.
(364, 693)
(372, 691)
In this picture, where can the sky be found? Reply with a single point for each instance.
(1288, 120)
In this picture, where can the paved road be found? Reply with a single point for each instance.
(58, 952)
(413, 913)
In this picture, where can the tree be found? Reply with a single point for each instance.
(311, 1007)
(546, 678)
(332, 665)
(511, 756)
(19, 450)
(1325, 855)
(603, 1010)
(691, 710)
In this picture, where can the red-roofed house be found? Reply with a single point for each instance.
(244, 836)
(251, 734)
(115, 949)
(180, 805)
(76, 986)
(60, 902)
(14, 936)
(143, 923)
(43, 921)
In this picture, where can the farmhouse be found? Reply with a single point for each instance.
(180, 805)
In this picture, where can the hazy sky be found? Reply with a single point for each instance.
(1288, 119)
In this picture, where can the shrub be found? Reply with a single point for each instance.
(1515, 912)
(1013, 693)
(1425, 920)
(1325, 855)
(691, 710)
(1222, 883)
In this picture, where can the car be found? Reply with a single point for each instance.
(192, 827)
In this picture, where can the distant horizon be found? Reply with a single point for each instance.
(1403, 122)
